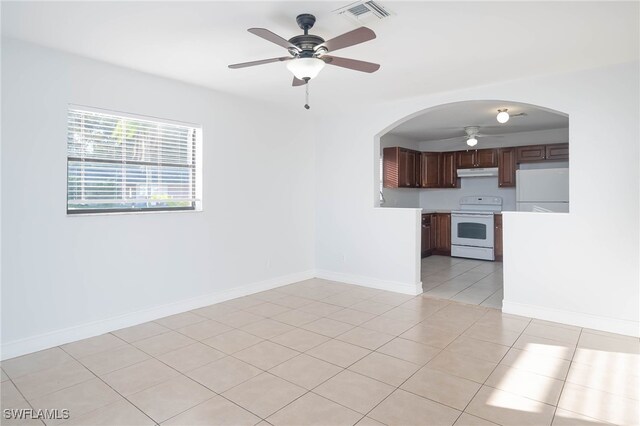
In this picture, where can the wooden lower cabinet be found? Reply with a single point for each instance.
(497, 237)
(427, 247)
(441, 233)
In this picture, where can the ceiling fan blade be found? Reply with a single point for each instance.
(298, 82)
(352, 64)
(482, 135)
(273, 38)
(357, 36)
(263, 61)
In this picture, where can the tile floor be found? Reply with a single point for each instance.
(324, 353)
(475, 282)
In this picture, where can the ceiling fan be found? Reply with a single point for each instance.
(472, 135)
(308, 53)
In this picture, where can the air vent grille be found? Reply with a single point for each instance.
(364, 12)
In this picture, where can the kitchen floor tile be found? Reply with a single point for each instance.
(338, 353)
(92, 345)
(78, 399)
(524, 383)
(37, 361)
(264, 394)
(232, 341)
(140, 331)
(405, 408)
(444, 388)
(409, 350)
(296, 317)
(114, 359)
(351, 316)
(267, 328)
(385, 368)
(366, 338)
(312, 409)
(121, 412)
(508, 409)
(327, 327)
(180, 320)
(53, 379)
(600, 405)
(191, 357)
(163, 343)
(300, 340)
(266, 355)
(137, 377)
(215, 411)
(474, 369)
(224, 374)
(306, 371)
(204, 329)
(355, 391)
(170, 398)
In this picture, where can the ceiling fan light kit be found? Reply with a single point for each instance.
(309, 52)
(305, 68)
(503, 116)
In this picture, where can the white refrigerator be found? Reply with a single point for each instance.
(542, 190)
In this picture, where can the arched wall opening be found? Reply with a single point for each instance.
(425, 161)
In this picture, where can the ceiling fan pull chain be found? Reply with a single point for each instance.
(306, 96)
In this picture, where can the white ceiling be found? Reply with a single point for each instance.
(447, 121)
(427, 47)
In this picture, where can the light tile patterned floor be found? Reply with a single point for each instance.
(475, 282)
(325, 353)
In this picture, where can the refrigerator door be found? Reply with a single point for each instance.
(542, 207)
(542, 185)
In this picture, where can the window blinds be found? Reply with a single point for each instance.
(117, 164)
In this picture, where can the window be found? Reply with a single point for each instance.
(121, 163)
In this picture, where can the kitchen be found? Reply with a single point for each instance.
(464, 164)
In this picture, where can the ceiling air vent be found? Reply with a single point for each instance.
(364, 12)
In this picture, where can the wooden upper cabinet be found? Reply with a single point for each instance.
(534, 153)
(466, 159)
(449, 177)
(477, 158)
(412, 168)
(431, 170)
(400, 168)
(487, 158)
(530, 153)
(506, 167)
(558, 151)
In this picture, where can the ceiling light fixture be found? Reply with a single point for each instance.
(472, 141)
(503, 116)
(305, 68)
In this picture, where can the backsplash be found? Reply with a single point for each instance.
(448, 199)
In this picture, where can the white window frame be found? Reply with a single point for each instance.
(196, 202)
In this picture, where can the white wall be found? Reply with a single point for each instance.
(65, 277)
(581, 267)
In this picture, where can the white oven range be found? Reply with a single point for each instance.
(472, 227)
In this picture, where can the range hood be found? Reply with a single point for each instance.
(478, 172)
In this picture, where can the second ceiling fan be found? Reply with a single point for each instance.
(309, 53)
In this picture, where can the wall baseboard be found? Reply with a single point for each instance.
(395, 286)
(95, 328)
(612, 325)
